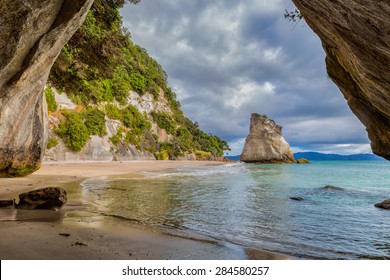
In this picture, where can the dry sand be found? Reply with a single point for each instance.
(73, 233)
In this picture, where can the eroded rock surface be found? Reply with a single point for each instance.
(265, 143)
(355, 35)
(51, 198)
(384, 204)
(32, 33)
(302, 161)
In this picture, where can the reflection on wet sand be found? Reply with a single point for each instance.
(31, 215)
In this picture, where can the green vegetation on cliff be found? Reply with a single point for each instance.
(50, 99)
(98, 68)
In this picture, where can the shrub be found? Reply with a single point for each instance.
(133, 119)
(50, 99)
(162, 155)
(202, 155)
(138, 83)
(113, 112)
(121, 84)
(94, 120)
(258, 115)
(115, 139)
(74, 132)
(133, 138)
(90, 28)
(153, 89)
(184, 139)
(97, 90)
(164, 121)
(52, 143)
(67, 52)
(165, 148)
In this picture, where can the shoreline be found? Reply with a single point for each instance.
(56, 173)
(73, 233)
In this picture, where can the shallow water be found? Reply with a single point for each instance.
(249, 206)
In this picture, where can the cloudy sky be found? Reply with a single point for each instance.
(226, 59)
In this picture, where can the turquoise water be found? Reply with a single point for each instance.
(249, 206)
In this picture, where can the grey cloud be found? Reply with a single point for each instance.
(226, 59)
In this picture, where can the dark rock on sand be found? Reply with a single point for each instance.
(332, 188)
(384, 204)
(47, 198)
(298, 198)
(6, 203)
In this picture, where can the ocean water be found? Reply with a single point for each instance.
(248, 205)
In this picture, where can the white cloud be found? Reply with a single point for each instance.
(342, 149)
(267, 7)
(247, 92)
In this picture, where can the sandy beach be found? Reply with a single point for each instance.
(73, 233)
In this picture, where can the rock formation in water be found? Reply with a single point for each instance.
(356, 38)
(332, 188)
(265, 143)
(384, 204)
(32, 33)
(302, 161)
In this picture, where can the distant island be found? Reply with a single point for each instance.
(320, 156)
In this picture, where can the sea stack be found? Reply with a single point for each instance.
(265, 143)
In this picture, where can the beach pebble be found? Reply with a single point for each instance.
(384, 204)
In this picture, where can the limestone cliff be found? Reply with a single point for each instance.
(265, 143)
(109, 100)
(32, 33)
(101, 148)
(355, 35)
(115, 102)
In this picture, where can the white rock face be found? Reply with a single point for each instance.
(265, 143)
(32, 34)
(101, 148)
(146, 103)
(63, 100)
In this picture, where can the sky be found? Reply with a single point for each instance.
(226, 59)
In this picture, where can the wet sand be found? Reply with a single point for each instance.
(73, 233)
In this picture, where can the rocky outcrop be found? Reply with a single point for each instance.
(302, 161)
(51, 198)
(355, 35)
(101, 148)
(384, 204)
(332, 188)
(265, 143)
(32, 33)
